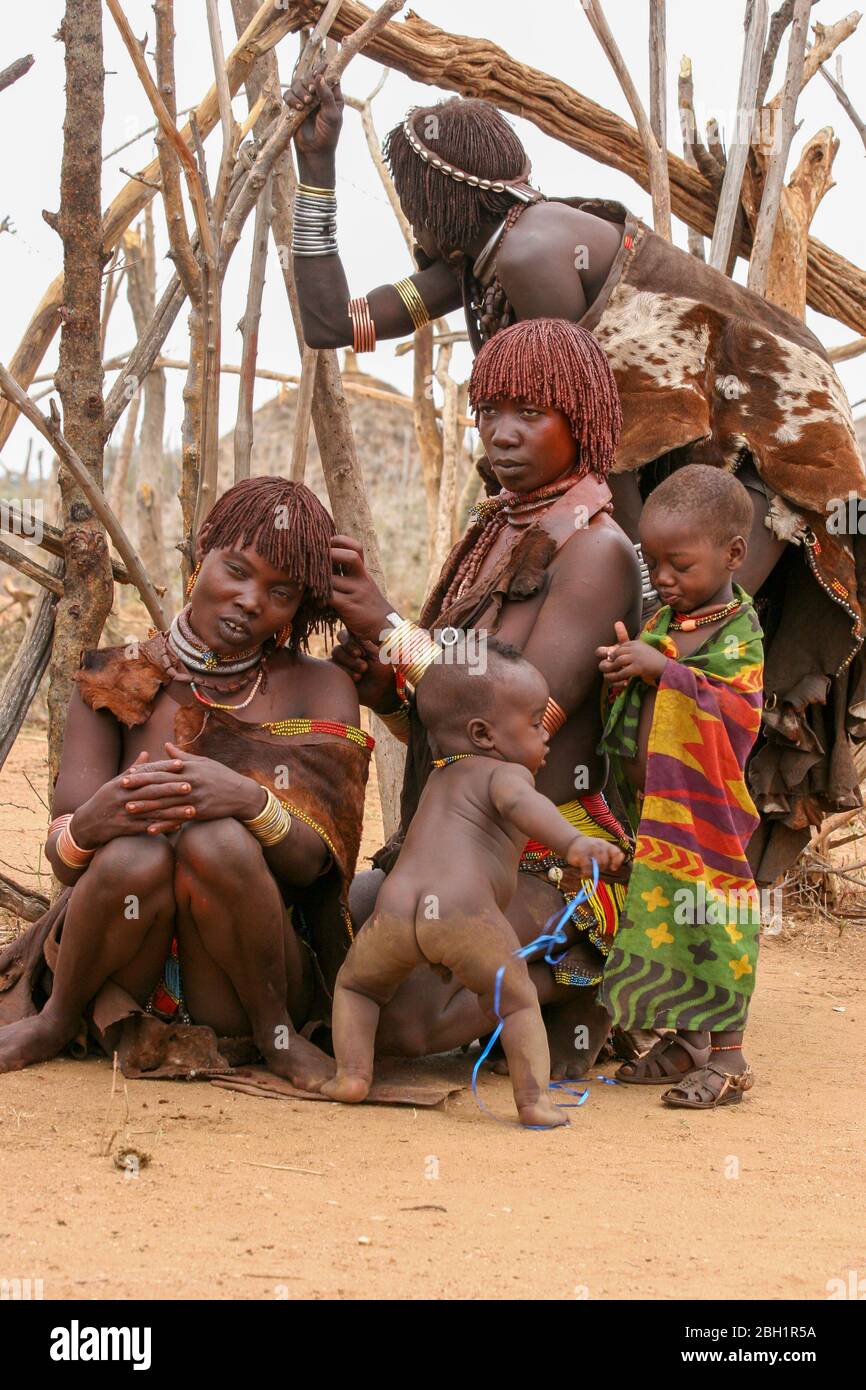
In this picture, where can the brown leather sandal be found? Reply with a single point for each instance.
(708, 1088)
(658, 1056)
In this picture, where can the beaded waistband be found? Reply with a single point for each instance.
(285, 728)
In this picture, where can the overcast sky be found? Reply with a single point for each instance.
(554, 36)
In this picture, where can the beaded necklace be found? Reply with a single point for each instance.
(684, 622)
(213, 704)
(493, 514)
(199, 657)
(451, 758)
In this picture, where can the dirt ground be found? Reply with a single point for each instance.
(249, 1198)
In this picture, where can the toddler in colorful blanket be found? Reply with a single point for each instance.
(686, 713)
(444, 902)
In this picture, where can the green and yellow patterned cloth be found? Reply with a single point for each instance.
(687, 946)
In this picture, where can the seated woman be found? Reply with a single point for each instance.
(545, 568)
(207, 818)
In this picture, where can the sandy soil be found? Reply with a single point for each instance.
(762, 1200)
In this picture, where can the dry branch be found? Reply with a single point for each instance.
(51, 538)
(15, 70)
(24, 902)
(656, 154)
(762, 245)
(141, 289)
(691, 139)
(779, 22)
(848, 350)
(827, 39)
(169, 163)
(267, 27)
(168, 127)
(738, 151)
(25, 566)
(846, 104)
(249, 327)
(303, 413)
(50, 428)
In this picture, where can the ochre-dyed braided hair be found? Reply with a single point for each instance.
(552, 362)
(475, 137)
(287, 525)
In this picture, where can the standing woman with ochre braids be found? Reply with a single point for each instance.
(542, 566)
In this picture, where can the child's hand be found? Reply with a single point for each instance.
(627, 658)
(583, 849)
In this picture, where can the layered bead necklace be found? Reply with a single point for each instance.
(515, 509)
(200, 658)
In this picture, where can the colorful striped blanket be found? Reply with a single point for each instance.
(686, 950)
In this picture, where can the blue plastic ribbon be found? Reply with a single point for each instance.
(547, 940)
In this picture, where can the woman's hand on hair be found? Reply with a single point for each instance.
(355, 594)
(374, 679)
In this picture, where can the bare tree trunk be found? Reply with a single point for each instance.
(141, 290)
(86, 603)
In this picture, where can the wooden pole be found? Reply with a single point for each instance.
(738, 146)
(658, 63)
(762, 245)
(88, 587)
(249, 327)
(686, 102)
(303, 413)
(333, 434)
(656, 154)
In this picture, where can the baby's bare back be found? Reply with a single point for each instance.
(444, 900)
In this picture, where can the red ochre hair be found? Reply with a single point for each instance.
(554, 363)
(287, 525)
